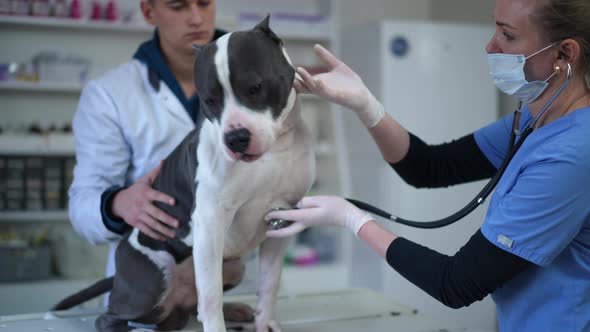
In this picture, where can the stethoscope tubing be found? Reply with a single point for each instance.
(480, 198)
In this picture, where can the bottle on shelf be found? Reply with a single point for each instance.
(60, 8)
(20, 7)
(75, 9)
(5, 7)
(40, 8)
(111, 11)
(96, 12)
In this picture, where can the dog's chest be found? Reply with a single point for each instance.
(276, 181)
(246, 192)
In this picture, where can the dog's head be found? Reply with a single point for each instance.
(244, 80)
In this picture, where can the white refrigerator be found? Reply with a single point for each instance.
(432, 78)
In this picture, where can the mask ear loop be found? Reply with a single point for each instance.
(541, 50)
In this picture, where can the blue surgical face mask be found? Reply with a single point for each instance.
(507, 71)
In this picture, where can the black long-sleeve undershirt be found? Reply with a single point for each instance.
(475, 271)
(432, 166)
(479, 267)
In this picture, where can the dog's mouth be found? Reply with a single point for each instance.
(241, 156)
(249, 157)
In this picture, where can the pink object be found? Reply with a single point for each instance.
(303, 256)
(306, 260)
(112, 11)
(96, 13)
(76, 9)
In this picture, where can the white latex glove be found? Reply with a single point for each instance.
(341, 85)
(320, 210)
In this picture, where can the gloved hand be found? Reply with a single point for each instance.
(135, 205)
(319, 210)
(341, 85)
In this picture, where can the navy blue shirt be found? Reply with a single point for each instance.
(151, 54)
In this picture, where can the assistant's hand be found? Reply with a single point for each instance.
(320, 210)
(342, 86)
(136, 206)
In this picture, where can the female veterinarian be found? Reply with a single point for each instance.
(533, 251)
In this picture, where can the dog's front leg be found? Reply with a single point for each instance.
(272, 252)
(209, 226)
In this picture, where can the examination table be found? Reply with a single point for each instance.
(350, 310)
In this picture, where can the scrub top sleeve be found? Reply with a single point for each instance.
(494, 138)
(545, 208)
(102, 160)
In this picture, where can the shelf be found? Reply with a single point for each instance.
(43, 145)
(83, 24)
(226, 23)
(19, 216)
(53, 87)
(66, 87)
(64, 145)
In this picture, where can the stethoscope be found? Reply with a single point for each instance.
(489, 187)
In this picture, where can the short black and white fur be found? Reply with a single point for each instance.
(252, 154)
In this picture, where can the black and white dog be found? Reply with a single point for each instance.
(252, 154)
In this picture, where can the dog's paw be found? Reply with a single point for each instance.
(268, 326)
(238, 312)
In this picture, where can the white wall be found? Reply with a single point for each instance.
(352, 13)
(480, 11)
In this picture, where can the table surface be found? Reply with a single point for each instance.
(339, 311)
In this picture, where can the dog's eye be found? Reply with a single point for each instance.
(209, 101)
(254, 89)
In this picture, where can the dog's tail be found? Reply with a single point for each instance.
(98, 288)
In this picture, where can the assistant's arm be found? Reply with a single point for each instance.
(102, 159)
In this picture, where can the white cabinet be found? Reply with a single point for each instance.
(433, 79)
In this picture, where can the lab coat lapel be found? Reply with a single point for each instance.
(171, 104)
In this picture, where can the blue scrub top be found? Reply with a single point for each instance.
(540, 211)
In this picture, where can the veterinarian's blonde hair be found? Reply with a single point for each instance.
(563, 19)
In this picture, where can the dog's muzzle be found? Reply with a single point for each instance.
(237, 140)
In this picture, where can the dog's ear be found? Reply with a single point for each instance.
(264, 26)
(198, 49)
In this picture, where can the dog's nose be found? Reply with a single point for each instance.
(238, 140)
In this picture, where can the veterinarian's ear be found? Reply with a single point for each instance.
(198, 49)
(264, 26)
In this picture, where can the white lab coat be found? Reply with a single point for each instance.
(122, 128)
